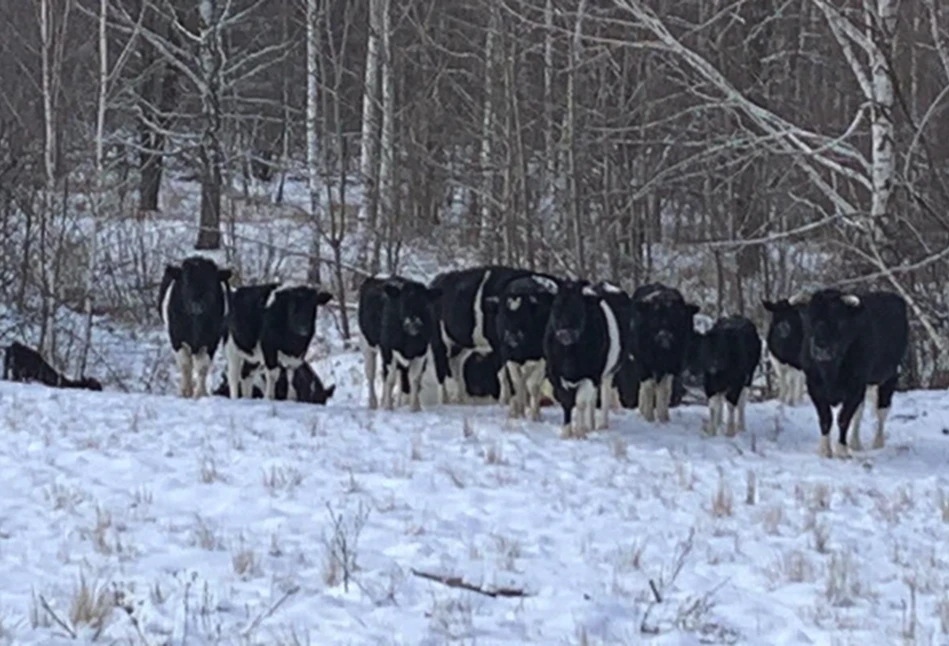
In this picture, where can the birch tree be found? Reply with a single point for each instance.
(312, 136)
(368, 157)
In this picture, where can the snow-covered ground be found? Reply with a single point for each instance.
(211, 522)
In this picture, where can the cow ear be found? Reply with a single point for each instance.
(434, 293)
(851, 300)
(771, 306)
(692, 309)
(322, 298)
(174, 271)
(224, 275)
(801, 298)
(391, 290)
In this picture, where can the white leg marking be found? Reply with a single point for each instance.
(586, 407)
(505, 396)
(291, 389)
(715, 403)
(879, 439)
(606, 398)
(234, 364)
(392, 381)
(853, 433)
(416, 371)
(823, 447)
(536, 373)
(185, 366)
(518, 403)
(742, 402)
(730, 427)
(841, 451)
(272, 374)
(647, 399)
(663, 398)
(202, 363)
(369, 369)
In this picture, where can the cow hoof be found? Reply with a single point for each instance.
(373, 404)
(823, 448)
(878, 441)
(535, 415)
(566, 432)
(855, 445)
(649, 417)
(842, 451)
(730, 431)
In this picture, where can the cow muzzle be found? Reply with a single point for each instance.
(566, 336)
(513, 339)
(665, 339)
(822, 354)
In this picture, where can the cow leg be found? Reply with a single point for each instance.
(884, 400)
(416, 370)
(369, 369)
(606, 401)
(272, 375)
(185, 368)
(586, 407)
(742, 402)
(647, 399)
(825, 420)
(852, 402)
(664, 398)
(568, 401)
(517, 403)
(202, 363)
(508, 387)
(800, 383)
(853, 437)
(780, 377)
(291, 389)
(733, 399)
(535, 384)
(715, 405)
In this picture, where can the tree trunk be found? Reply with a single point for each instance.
(387, 209)
(210, 152)
(368, 164)
(485, 228)
(312, 144)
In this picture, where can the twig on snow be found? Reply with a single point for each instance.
(458, 582)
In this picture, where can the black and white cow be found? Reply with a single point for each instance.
(396, 320)
(194, 304)
(466, 320)
(785, 342)
(852, 342)
(270, 324)
(308, 388)
(729, 354)
(22, 363)
(480, 371)
(520, 317)
(658, 338)
(626, 382)
(583, 345)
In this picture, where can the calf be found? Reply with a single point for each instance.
(480, 371)
(466, 320)
(729, 353)
(306, 385)
(582, 347)
(852, 342)
(396, 320)
(520, 316)
(271, 324)
(659, 335)
(785, 342)
(194, 305)
(22, 363)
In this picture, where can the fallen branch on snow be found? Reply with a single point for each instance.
(458, 582)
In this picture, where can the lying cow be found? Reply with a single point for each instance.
(306, 386)
(22, 363)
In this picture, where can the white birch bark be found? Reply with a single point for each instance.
(485, 229)
(312, 142)
(370, 106)
(211, 61)
(387, 136)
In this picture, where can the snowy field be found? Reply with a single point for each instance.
(209, 522)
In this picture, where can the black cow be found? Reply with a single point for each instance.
(270, 324)
(785, 343)
(583, 345)
(729, 353)
(520, 317)
(194, 305)
(659, 338)
(626, 382)
(22, 363)
(480, 371)
(396, 320)
(852, 343)
(306, 386)
(466, 319)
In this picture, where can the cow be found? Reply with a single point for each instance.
(852, 342)
(194, 302)
(270, 324)
(729, 354)
(22, 363)
(307, 387)
(520, 315)
(480, 371)
(583, 345)
(466, 320)
(626, 382)
(659, 337)
(785, 341)
(397, 321)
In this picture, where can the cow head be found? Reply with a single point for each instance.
(299, 307)
(524, 308)
(200, 280)
(414, 306)
(831, 323)
(89, 383)
(787, 327)
(663, 318)
(568, 311)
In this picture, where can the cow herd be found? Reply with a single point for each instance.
(516, 336)
(505, 332)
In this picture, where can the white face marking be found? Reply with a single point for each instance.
(851, 300)
(612, 331)
(282, 287)
(611, 288)
(548, 284)
(589, 291)
(514, 304)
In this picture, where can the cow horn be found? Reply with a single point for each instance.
(851, 299)
(801, 298)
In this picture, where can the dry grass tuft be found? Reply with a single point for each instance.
(245, 563)
(63, 497)
(751, 487)
(821, 534)
(467, 429)
(415, 452)
(792, 567)
(91, 605)
(209, 472)
(494, 454)
(629, 557)
(820, 497)
(619, 448)
(508, 551)
(204, 536)
(942, 502)
(843, 585)
(282, 478)
(942, 612)
(722, 499)
(772, 518)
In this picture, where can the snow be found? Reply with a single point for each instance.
(211, 519)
